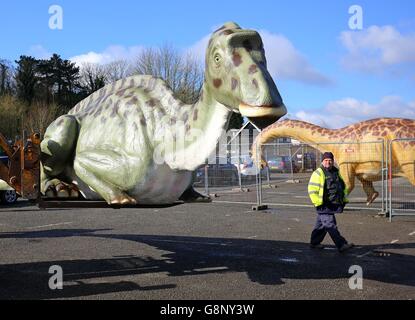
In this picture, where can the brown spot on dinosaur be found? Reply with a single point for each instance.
(115, 109)
(217, 83)
(133, 101)
(236, 58)
(255, 83)
(121, 92)
(252, 69)
(151, 102)
(234, 83)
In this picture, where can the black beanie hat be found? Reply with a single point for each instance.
(328, 155)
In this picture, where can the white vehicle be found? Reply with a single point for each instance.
(7, 194)
(247, 167)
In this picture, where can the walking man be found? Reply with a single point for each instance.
(327, 192)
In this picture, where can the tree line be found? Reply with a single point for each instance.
(34, 92)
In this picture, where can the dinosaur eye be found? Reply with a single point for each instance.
(217, 58)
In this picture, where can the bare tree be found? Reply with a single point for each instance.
(181, 72)
(117, 70)
(93, 77)
(40, 116)
(11, 115)
(7, 82)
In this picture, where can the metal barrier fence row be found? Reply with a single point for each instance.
(401, 177)
(375, 170)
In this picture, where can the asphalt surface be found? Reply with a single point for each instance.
(219, 250)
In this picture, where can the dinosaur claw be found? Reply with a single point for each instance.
(372, 198)
(61, 190)
(123, 200)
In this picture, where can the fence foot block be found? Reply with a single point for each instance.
(241, 189)
(260, 207)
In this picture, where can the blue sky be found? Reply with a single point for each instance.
(327, 73)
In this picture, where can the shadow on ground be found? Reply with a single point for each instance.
(264, 261)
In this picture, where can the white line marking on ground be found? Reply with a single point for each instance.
(252, 237)
(365, 254)
(211, 269)
(192, 242)
(395, 241)
(98, 273)
(288, 205)
(412, 233)
(48, 225)
(288, 259)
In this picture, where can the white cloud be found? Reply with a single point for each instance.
(340, 113)
(198, 50)
(285, 62)
(39, 52)
(110, 54)
(377, 49)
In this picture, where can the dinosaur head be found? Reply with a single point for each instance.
(237, 76)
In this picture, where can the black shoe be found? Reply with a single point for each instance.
(346, 246)
(316, 246)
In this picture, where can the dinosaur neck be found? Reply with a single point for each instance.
(298, 130)
(201, 126)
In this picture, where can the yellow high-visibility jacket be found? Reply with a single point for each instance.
(316, 187)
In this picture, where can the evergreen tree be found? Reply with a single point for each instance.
(236, 121)
(26, 79)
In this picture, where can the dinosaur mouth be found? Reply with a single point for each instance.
(264, 115)
(262, 111)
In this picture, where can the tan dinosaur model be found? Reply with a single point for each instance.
(356, 157)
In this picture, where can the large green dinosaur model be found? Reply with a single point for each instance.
(133, 142)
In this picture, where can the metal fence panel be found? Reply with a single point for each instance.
(361, 165)
(401, 177)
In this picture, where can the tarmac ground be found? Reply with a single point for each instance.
(218, 250)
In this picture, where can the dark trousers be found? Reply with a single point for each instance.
(326, 223)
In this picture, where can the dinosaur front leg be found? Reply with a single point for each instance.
(348, 174)
(92, 166)
(370, 191)
(57, 151)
